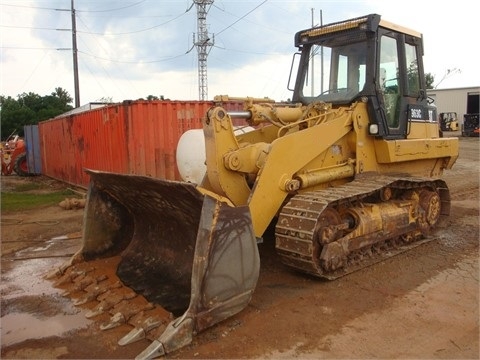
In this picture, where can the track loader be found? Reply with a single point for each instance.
(348, 172)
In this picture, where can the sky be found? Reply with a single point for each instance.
(129, 49)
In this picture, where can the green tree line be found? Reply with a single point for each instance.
(30, 109)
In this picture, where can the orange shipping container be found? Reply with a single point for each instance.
(133, 137)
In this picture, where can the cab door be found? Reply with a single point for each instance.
(399, 86)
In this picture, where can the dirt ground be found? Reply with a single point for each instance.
(423, 304)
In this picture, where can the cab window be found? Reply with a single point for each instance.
(389, 81)
(413, 85)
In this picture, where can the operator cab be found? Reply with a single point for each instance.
(368, 59)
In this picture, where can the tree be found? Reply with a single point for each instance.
(154, 97)
(14, 116)
(30, 109)
(429, 80)
(62, 95)
(413, 77)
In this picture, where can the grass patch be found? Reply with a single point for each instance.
(17, 201)
(27, 187)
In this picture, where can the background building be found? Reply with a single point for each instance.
(460, 100)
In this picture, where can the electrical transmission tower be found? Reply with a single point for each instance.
(203, 44)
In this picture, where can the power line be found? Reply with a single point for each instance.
(132, 61)
(244, 16)
(34, 70)
(256, 23)
(28, 48)
(113, 80)
(28, 6)
(93, 11)
(28, 27)
(204, 41)
(98, 33)
(137, 31)
(124, 61)
(116, 9)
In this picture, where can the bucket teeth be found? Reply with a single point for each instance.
(87, 298)
(108, 303)
(133, 336)
(69, 277)
(93, 293)
(124, 314)
(116, 320)
(154, 350)
(140, 332)
(102, 307)
(84, 282)
(79, 286)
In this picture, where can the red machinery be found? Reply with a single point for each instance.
(14, 156)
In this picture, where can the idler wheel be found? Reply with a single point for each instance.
(431, 205)
(326, 229)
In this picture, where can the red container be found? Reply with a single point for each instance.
(133, 137)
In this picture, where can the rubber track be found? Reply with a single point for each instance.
(295, 229)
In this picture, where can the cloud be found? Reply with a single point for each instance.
(132, 48)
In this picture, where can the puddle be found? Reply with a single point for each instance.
(59, 247)
(25, 270)
(18, 327)
(32, 308)
(26, 277)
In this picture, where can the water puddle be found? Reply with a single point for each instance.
(26, 277)
(31, 307)
(59, 247)
(18, 327)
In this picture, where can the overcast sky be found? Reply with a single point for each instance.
(129, 49)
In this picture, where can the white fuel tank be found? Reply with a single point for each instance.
(191, 154)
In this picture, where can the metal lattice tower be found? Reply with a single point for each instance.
(203, 44)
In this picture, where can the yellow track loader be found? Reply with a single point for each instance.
(347, 172)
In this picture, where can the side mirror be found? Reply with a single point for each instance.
(422, 94)
(292, 77)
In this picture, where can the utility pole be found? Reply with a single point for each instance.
(321, 56)
(75, 60)
(312, 61)
(203, 44)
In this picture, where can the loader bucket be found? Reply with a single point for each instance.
(188, 252)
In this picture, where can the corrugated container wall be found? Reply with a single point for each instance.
(133, 137)
(32, 141)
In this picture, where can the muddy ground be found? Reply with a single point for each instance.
(420, 304)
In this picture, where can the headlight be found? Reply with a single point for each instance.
(373, 129)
